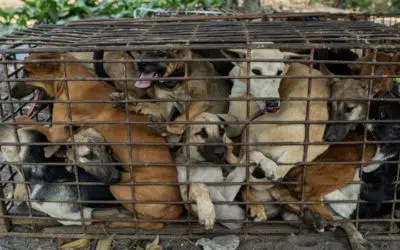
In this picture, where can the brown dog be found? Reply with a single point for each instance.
(353, 110)
(322, 181)
(112, 133)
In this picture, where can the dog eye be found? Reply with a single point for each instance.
(256, 72)
(90, 156)
(203, 133)
(161, 54)
(279, 72)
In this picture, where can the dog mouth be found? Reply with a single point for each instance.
(145, 79)
(39, 95)
(271, 109)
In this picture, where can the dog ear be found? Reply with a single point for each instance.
(226, 118)
(234, 54)
(43, 66)
(51, 150)
(287, 55)
(357, 67)
(325, 71)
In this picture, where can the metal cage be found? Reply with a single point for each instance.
(305, 34)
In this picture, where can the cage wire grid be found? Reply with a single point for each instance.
(190, 33)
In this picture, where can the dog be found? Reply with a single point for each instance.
(290, 155)
(112, 133)
(149, 72)
(378, 178)
(322, 182)
(91, 152)
(259, 88)
(205, 157)
(49, 198)
(115, 70)
(349, 110)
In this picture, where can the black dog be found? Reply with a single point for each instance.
(50, 198)
(378, 178)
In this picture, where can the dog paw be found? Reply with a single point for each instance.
(157, 125)
(176, 129)
(314, 219)
(206, 214)
(117, 97)
(257, 212)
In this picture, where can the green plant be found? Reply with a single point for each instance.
(60, 11)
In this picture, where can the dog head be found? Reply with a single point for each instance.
(92, 154)
(386, 110)
(261, 87)
(344, 110)
(38, 169)
(205, 134)
(149, 70)
(41, 76)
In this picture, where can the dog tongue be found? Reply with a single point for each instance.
(38, 94)
(142, 84)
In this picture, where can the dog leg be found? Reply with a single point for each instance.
(193, 110)
(205, 208)
(257, 211)
(150, 109)
(226, 211)
(357, 241)
(144, 108)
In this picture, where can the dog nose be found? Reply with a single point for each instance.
(272, 104)
(258, 173)
(219, 151)
(114, 177)
(330, 137)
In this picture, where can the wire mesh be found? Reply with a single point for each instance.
(181, 46)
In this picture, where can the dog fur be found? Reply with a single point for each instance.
(50, 199)
(171, 89)
(291, 111)
(104, 112)
(322, 182)
(348, 110)
(259, 88)
(206, 156)
(378, 178)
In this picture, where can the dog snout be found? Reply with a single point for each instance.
(115, 176)
(215, 154)
(219, 151)
(258, 173)
(335, 132)
(272, 104)
(147, 67)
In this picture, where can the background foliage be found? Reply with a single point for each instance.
(60, 11)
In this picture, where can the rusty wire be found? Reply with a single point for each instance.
(191, 33)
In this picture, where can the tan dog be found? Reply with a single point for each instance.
(205, 157)
(103, 112)
(291, 111)
(115, 71)
(259, 87)
(149, 72)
